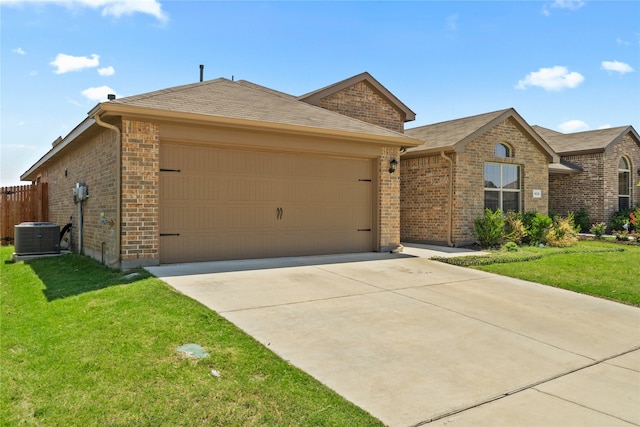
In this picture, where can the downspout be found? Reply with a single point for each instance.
(96, 117)
(450, 210)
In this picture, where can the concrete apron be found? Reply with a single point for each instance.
(414, 341)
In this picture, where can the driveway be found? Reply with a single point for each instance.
(418, 342)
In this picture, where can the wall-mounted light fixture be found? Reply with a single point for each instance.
(393, 165)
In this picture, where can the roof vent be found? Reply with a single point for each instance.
(111, 96)
(201, 72)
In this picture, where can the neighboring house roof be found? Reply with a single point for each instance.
(593, 141)
(239, 104)
(314, 97)
(453, 135)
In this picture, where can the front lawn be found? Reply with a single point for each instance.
(607, 270)
(83, 345)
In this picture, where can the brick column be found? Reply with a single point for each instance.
(389, 201)
(140, 193)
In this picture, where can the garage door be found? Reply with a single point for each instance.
(218, 204)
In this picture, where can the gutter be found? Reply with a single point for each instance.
(450, 210)
(99, 121)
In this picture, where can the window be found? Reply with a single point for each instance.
(502, 187)
(624, 184)
(502, 150)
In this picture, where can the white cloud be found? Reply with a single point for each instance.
(562, 4)
(573, 126)
(605, 126)
(554, 78)
(622, 42)
(19, 51)
(107, 71)
(65, 63)
(98, 94)
(115, 8)
(618, 67)
(568, 4)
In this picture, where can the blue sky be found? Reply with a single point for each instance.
(565, 65)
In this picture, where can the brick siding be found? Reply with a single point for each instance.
(361, 101)
(388, 201)
(140, 193)
(595, 188)
(92, 162)
(424, 190)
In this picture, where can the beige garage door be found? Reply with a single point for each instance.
(218, 204)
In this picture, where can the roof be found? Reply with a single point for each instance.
(315, 96)
(247, 101)
(240, 104)
(453, 135)
(594, 141)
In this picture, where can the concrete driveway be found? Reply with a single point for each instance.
(418, 342)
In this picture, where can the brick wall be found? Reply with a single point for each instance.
(570, 193)
(361, 101)
(140, 193)
(596, 187)
(388, 201)
(92, 162)
(424, 200)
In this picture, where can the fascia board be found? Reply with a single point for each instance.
(156, 114)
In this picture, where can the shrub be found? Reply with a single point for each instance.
(562, 232)
(620, 218)
(510, 247)
(539, 228)
(582, 220)
(488, 229)
(598, 229)
(514, 229)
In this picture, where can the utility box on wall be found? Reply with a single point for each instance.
(34, 238)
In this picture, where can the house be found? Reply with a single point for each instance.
(225, 169)
(493, 160)
(608, 166)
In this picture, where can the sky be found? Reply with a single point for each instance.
(567, 65)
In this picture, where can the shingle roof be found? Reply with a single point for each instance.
(448, 134)
(245, 100)
(582, 142)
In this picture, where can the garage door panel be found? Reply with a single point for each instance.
(232, 204)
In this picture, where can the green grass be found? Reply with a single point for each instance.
(82, 345)
(606, 270)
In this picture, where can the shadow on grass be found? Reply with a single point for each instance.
(73, 274)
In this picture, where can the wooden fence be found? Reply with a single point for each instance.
(22, 203)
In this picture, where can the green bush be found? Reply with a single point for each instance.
(562, 232)
(598, 229)
(488, 229)
(539, 228)
(620, 218)
(510, 247)
(582, 220)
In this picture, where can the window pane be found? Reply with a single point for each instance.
(623, 164)
(502, 150)
(491, 175)
(623, 203)
(510, 201)
(511, 177)
(623, 183)
(491, 200)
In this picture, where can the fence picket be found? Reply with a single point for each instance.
(22, 203)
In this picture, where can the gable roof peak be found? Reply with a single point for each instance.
(314, 97)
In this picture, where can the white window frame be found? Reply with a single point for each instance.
(626, 171)
(500, 190)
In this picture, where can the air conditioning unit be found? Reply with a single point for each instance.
(35, 238)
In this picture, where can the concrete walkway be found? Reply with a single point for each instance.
(417, 342)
